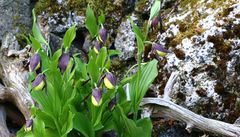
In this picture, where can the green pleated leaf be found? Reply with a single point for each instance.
(146, 124)
(127, 127)
(36, 31)
(83, 124)
(101, 18)
(39, 128)
(34, 43)
(91, 22)
(139, 36)
(155, 9)
(69, 37)
(148, 74)
(102, 56)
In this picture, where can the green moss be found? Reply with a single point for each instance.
(48, 6)
(185, 3)
(140, 5)
(109, 8)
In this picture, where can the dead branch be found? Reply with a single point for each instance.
(174, 111)
(166, 107)
(169, 85)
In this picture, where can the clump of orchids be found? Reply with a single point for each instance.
(35, 65)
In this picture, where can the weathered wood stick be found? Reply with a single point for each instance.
(174, 111)
(168, 88)
(166, 107)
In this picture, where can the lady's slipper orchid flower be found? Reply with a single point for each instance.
(97, 47)
(102, 35)
(154, 22)
(96, 97)
(34, 62)
(38, 83)
(160, 50)
(63, 61)
(110, 80)
(28, 125)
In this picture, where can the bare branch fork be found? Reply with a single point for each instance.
(167, 108)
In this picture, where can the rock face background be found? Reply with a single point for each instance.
(205, 40)
(15, 16)
(203, 35)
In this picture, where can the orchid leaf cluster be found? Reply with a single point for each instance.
(85, 99)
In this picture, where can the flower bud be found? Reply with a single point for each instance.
(96, 97)
(28, 125)
(110, 80)
(63, 61)
(38, 83)
(97, 47)
(102, 35)
(154, 22)
(160, 50)
(34, 62)
(112, 103)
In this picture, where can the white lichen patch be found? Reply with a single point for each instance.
(59, 22)
(179, 17)
(210, 20)
(199, 53)
(232, 15)
(125, 40)
(196, 56)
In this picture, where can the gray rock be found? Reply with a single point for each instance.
(87, 44)
(55, 42)
(10, 42)
(125, 41)
(59, 23)
(15, 16)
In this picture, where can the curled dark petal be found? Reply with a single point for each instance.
(112, 103)
(97, 95)
(158, 47)
(97, 47)
(37, 80)
(29, 123)
(154, 22)
(63, 61)
(100, 80)
(34, 62)
(103, 35)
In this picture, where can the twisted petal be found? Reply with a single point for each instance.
(34, 62)
(110, 81)
(63, 61)
(96, 97)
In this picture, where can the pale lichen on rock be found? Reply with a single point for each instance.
(211, 58)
